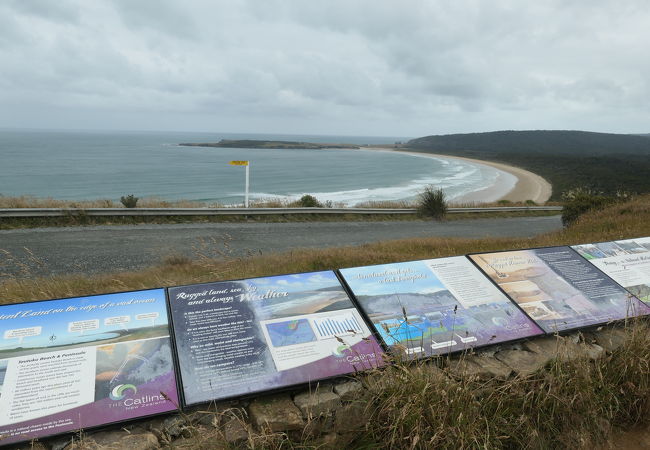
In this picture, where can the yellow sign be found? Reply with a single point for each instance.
(238, 163)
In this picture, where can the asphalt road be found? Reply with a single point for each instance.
(100, 249)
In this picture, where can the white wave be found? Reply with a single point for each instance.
(455, 186)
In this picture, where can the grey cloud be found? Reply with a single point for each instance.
(56, 11)
(162, 16)
(402, 68)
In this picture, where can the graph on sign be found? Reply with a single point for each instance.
(338, 325)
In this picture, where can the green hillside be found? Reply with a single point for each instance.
(557, 142)
(567, 159)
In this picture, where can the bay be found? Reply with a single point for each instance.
(87, 165)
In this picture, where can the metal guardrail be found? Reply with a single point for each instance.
(63, 212)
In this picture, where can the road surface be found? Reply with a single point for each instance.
(101, 249)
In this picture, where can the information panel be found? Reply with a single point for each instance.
(435, 306)
(627, 262)
(240, 337)
(82, 362)
(558, 288)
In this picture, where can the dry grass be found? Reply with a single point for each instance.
(625, 220)
(576, 402)
(26, 201)
(573, 403)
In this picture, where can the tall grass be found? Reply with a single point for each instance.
(572, 403)
(624, 220)
(26, 201)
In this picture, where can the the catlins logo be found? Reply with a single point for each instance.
(339, 351)
(118, 391)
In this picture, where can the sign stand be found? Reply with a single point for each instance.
(247, 164)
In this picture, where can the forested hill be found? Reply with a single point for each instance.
(567, 159)
(539, 141)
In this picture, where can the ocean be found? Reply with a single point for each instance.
(87, 165)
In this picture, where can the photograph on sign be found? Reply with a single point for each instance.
(558, 288)
(436, 306)
(239, 337)
(81, 362)
(627, 262)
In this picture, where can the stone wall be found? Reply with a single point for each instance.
(330, 413)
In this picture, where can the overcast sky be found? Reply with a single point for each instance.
(358, 67)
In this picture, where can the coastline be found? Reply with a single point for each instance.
(529, 186)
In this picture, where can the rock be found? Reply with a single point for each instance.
(275, 413)
(594, 351)
(351, 417)
(116, 440)
(565, 348)
(483, 367)
(32, 445)
(142, 441)
(610, 338)
(59, 443)
(314, 404)
(523, 362)
(549, 345)
(209, 419)
(235, 431)
(328, 441)
(174, 425)
(106, 438)
(349, 390)
(316, 427)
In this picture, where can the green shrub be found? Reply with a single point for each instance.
(309, 201)
(581, 200)
(129, 201)
(432, 203)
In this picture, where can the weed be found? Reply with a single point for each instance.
(129, 201)
(432, 203)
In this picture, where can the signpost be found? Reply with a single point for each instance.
(247, 164)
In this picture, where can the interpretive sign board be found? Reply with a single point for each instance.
(240, 337)
(627, 262)
(82, 362)
(558, 288)
(436, 306)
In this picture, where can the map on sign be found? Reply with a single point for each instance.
(291, 332)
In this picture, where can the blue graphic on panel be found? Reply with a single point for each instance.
(337, 325)
(290, 332)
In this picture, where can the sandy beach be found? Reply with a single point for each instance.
(529, 186)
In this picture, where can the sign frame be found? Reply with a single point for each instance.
(615, 242)
(387, 348)
(107, 425)
(184, 404)
(565, 331)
